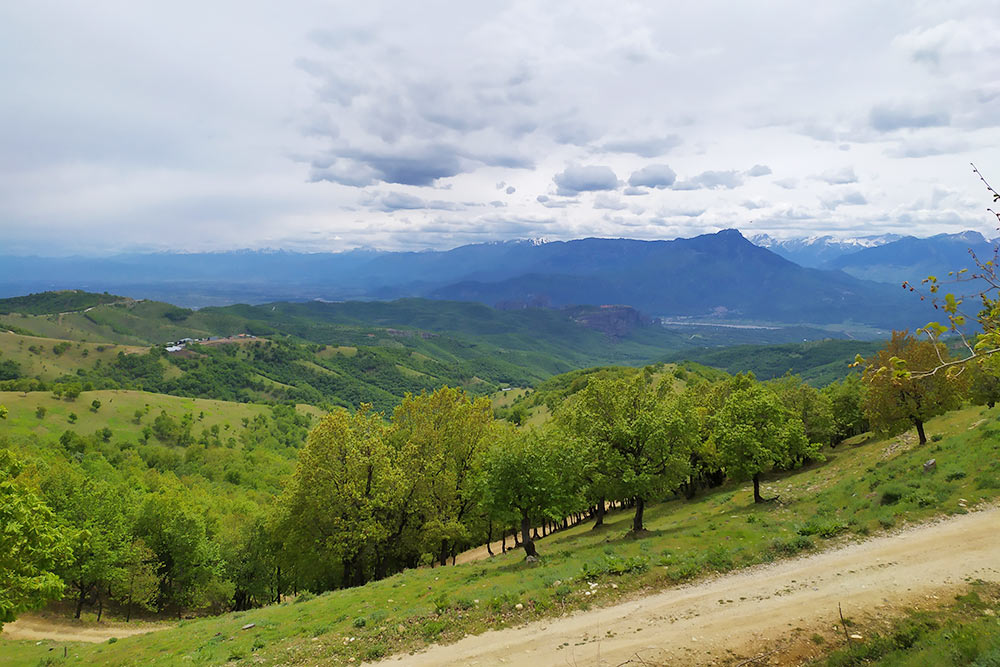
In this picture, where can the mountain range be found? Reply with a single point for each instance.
(719, 277)
(817, 251)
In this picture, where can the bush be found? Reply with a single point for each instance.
(615, 565)
(360, 622)
(822, 527)
(791, 546)
(955, 475)
(892, 495)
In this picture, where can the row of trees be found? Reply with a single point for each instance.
(373, 495)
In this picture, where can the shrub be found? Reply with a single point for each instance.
(791, 546)
(891, 495)
(615, 565)
(822, 527)
(360, 622)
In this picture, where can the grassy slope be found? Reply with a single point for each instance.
(45, 364)
(116, 412)
(818, 362)
(716, 532)
(966, 632)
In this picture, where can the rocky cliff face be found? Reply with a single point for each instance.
(614, 321)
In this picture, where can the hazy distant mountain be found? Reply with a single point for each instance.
(715, 275)
(913, 259)
(818, 251)
(721, 275)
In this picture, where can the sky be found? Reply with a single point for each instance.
(326, 126)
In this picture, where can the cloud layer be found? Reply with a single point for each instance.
(402, 125)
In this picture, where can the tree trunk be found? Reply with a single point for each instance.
(100, 607)
(526, 541)
(79, 600)
(489, 538)
(503, 541)
(920, 431)
(443, 554)
(599, 514)
(757, 498)
(640, 506)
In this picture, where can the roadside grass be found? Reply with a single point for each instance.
(860, 490)
(967, 632)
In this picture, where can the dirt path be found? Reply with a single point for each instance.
(754, 611)
(65, 630)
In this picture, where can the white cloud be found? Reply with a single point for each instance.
(401, 125)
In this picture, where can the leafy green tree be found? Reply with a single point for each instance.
(983, 383)
(754, 432)
(345, 480)
(3, 412)
(190, 569)
(646, 432)
(95, 516)
(809, 404)
(530, 476)
(438, 437)
(138, 585)
(901, 393)
(31, 546)
(846, 402)
(95, 405)
(41, 411)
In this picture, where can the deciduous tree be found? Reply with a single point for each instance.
(31, 545)
(900, 394)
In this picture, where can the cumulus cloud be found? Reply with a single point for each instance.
(510, 189)
(548, 202)
(609, 202)
(841, 176)
(917, 148)
(653, 176)
(576, 179)
(758, 170)
(890, 118)
(632, 191)
(396, 201)
(852, 198)
(712, 180)
(645, 147)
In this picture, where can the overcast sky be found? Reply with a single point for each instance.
(331, 125)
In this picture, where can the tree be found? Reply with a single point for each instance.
(754, 432)
(528, 475)
(31, 544)
(3, 412)
(901, 393)
(983, 383)
(138, 584)
(190, 573)
(439, 436)
(95, 517)
(646, 432)
(809, 404)
(95, 405)
(345, 480)
(846, 400)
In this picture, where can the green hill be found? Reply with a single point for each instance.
(55, 302)
(818, 362)
(856, 492)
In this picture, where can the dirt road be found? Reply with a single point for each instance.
(65, 630)
(752, 612)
